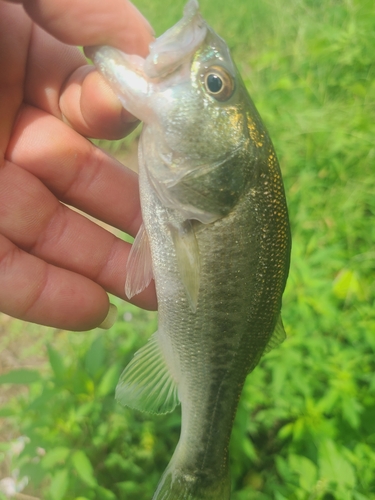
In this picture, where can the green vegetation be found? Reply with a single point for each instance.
(305, 429)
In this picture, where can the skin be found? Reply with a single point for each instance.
(56, 266)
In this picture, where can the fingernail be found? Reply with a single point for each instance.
(65, 120)
(110, 319)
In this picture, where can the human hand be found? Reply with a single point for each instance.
(56, 265)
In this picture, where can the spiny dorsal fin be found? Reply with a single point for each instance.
(146, 384)
(278, 336)
(139, 265)
(188, 261)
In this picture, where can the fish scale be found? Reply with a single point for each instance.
(221, 347)
(216, 230)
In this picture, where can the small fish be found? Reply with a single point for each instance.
(216, 228)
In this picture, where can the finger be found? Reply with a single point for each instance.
(93, 22)
(35, 291)
(90, 106)
(33, 219)
(61, 83)
(13, 55)
(77, 172)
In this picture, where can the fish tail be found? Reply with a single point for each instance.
(177, 484)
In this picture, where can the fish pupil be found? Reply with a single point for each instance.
(214, 83)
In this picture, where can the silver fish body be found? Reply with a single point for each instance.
(216, 226)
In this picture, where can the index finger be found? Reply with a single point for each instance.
(93, 22)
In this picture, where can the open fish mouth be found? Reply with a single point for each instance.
(136, 79)
(177, 44)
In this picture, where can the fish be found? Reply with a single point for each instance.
(215, 238)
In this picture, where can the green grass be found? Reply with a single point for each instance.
(305, 429)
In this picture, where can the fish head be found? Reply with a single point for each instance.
(190, 95)
(196, 98)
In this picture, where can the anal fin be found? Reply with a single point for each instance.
(147, 384)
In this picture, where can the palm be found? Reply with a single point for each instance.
(55, 264)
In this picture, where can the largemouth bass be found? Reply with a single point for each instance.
(216, 227)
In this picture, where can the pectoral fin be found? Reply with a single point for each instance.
(188, 261)
(147, 384)
(278, 336)
(139, 265)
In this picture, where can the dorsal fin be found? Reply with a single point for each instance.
(188, 260)
(147, 384)
(278, 336)
(139, 265)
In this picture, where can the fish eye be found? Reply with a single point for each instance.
(219, 83)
